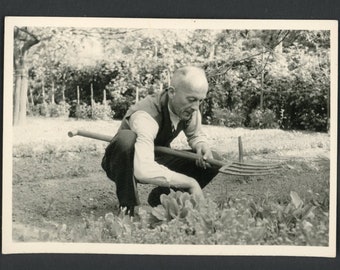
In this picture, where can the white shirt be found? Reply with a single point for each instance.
(146, 169)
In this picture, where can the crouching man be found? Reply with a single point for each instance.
(156, 121)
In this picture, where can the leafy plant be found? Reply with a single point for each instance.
(83, 111)
(58, 110)
(263, 119)
(101, 111)
(227, 118)
(182, 219)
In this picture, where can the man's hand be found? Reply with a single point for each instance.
(203, 150)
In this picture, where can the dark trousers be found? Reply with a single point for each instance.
(118, 165)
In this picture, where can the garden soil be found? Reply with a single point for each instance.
(42, 200)
(61, 186)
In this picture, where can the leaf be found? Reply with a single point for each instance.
(184, 212)
(308, 212)
(307, 226)
(296, 199)
(173, 208)
(164, 199)
(109, 217)
(183, 198)
(159, 212)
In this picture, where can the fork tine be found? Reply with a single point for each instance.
(248, 171)
(237, 170)
(246, 174)
(244, 166)
(256, 164)
(251, 169)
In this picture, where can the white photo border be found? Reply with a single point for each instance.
(9, 246)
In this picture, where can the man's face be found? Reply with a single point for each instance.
(185, 100)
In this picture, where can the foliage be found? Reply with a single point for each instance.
(83, 111)
(182, 219)
(97, 112)
(50, 110)
(227, 118)
(101, 111)
(263, 119)
(285, 71)
(57, 110)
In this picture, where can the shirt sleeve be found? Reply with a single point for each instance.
(194, 132)
(146, 169)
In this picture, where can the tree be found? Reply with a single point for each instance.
(24, 40)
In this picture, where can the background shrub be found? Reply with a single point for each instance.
(263, 119)
(50, 110)
(101, 111)
(59, 110)
(227, 118)
(83, 111)
(285, 72)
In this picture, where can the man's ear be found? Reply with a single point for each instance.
(171, 92)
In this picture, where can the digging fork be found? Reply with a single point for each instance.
(233, 168)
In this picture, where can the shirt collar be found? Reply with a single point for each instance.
(173, 117)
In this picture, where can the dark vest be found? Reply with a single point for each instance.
(157, 107)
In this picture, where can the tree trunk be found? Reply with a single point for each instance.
(16, 96)
(23, 97)
(63, 92)
(27, 40)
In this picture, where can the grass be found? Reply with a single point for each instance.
(41, 135)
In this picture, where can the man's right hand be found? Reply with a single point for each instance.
(179, 180)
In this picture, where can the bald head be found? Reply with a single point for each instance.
(190, 77)
(189, 86)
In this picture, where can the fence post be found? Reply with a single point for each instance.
(52, 98)
(240, 149)
(31, 96)
(78, 95)
(92, 101)
(104, 97)
(137, 94)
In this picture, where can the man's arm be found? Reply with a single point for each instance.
(198, 140)
(146, 169)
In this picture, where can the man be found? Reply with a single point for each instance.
(157, 120)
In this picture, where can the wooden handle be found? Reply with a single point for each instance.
(89, 134)
(187, 155)
(158, 149)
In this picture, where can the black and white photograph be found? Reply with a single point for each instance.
(170, 136)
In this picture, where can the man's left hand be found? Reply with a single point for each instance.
(203, 150)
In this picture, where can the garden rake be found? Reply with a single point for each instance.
(240, 168)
